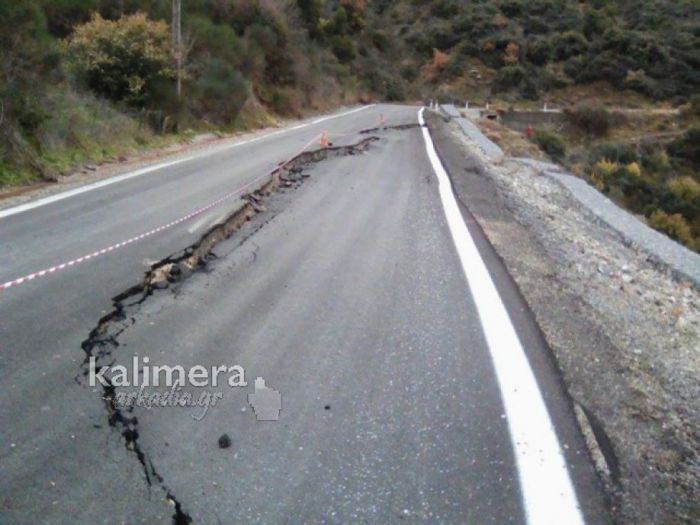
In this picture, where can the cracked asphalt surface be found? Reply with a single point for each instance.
(345, 294)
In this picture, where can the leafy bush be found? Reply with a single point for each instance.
(409, 72)
(509, 77)
(675, 226)
(568, 44)
(512, 8)
(63, 15)
(444, 8)
(656, 161)
(620, 153)
(601, 171)
(605, 168)
(539, 51)
(684, 188)
(381, 41)
(633, 169)
(593, 120)
(28, 54)
(595, 23)
(311, 15)
(215, 40)
(122, 60)
(394, 91)
(343, 47)
(550, 143)
(220, 92)
(282, 102)
(687, 146)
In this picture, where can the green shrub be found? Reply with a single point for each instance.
(122, 60)
(64, 15)
(282, 102)
(547, 79)
(409, 72)
(675, 226)
(568, 44)
(512, 8)
(620, 153)
(28, 57)
(509, 77)
(684, 188)
(340, 24)
(380, 40)
(550, 143)
(538, 51)
(593, 120)
(220, 92)
(595, 23)
(687, 146)
(444, 8)
(215, 40)
(656, 161)
(311, 15)
(344, 48)
(394, 91)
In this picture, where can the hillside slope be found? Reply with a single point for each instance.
(244, 60)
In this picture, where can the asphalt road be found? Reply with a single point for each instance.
(347, 295)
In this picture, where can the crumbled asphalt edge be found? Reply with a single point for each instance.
(399, 127)
(103, 338)
(641, 428)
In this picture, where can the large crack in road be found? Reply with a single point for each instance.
(103, 339)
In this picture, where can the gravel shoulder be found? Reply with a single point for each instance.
(625, 331)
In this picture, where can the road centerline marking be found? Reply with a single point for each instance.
(548, 493)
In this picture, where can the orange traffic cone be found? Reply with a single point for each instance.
(324, 140)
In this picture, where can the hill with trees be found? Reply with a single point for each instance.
(83, 80)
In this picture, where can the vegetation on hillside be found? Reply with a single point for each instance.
(650, 167)
(525, 48)
(88, 79)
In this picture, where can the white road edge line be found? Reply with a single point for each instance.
(119, 178)
(548, 493)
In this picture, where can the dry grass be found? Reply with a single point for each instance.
(513, 144)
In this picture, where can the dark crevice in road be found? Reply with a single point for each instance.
(103, 339)
(399, 127)
(605, 444)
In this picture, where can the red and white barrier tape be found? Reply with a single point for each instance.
(108, 249)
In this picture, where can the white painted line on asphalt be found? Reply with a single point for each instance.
(122, 244)
(119, 178)
(329, 117)
(548, 493)
(208, 221)
(77, 191)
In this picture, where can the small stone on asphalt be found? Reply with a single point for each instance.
(224, 441)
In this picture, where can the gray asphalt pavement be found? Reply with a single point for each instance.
(346, 295)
